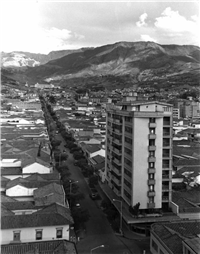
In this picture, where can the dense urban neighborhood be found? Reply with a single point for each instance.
(100, 172)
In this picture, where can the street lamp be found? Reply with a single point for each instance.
(101, 246)
(70, 190)
(120, 213)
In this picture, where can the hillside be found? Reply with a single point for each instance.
(19, 59)
(142, 60)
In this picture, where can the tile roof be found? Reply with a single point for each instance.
(92, 148)
(44, 247)
(187, 162)
(5, 198)
(19, 205)
(26, 183)
(190, 195)
(173, 233)
(5, 211)
(42, 177)
(33, 220)
(49, 194)
(11, 171)
(57, 208)
(98, 159)
(194, 244)
(192, 172)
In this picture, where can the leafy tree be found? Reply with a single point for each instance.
(93, 180)
(135, 209)
(80, 217)
(78, 155)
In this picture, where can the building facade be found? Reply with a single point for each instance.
(139, 152)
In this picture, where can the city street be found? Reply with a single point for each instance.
(98, 230)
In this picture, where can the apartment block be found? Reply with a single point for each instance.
(139, 152)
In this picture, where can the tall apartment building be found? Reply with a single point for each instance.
(139, 152)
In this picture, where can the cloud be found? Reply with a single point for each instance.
(146, 37)
(172, 21)
(142, 19)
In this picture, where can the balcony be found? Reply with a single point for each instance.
(116, 181)
(151, 205)
(117, 131)
(152, 125)
(165, 187)
(166, 144)
(116, 171)
(165, 198)
(117, 151)
(152, 148)
(151, 181)
(151, 170)
(151, 193)
(166, 123)
(118, 162)
(117, 141)
(151, 159)
(117, 121)
(152, 136)
(166, 133)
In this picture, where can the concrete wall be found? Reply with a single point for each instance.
(29, 234)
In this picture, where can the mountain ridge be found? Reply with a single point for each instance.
(133, 58)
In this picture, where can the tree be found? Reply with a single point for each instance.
(93, 180)
(135, 209)
(78, 155)
(80, 216)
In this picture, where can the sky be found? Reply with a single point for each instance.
(44, 26)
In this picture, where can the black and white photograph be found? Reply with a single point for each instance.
(100, 127)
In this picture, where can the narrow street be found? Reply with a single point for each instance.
(98, 230)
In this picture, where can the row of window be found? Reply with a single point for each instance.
(128, 140)
(127, 184)
(127, 172)
(128, 162)
(38, 234)
(128, 129)
(128, 151)
(127, 195)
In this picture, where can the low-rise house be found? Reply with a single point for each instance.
(22, 190)
(44, 247)
(93, 150)
(11, 168)
(21, 207)
(49, 194)
(37, 168)
(175, 237)
(186, 203)
(49, 223)
(4, 182)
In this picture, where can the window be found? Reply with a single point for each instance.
(59, 233)
(151, 200)
(152, 154)
(152, 120)
(16, 236)
(38, 234)
(151, 142)
(151, 187)
(151, 176)
(151, 165)
(152, 130)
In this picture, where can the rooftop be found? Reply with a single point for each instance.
(44, 247)
(173, 233)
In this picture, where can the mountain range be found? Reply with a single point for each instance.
(142, 61)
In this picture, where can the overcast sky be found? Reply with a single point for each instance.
(44, 26)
